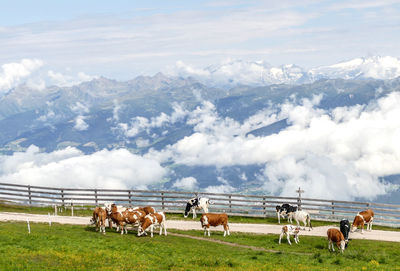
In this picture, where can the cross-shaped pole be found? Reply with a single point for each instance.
(299, 198)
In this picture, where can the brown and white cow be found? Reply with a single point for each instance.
(152, 220)
(148, 210)
(99, 218)
(335, 236)
(134, 217)
(118, 218)
(214, 220)
(364, 217)
(290, 230)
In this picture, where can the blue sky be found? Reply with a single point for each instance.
(123, 39)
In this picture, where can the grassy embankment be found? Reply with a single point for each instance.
(69, 247)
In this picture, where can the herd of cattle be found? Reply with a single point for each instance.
(146, 219)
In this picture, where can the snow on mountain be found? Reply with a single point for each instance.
(257, 73)
(373, 67)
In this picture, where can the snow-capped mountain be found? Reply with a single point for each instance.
(259, 73)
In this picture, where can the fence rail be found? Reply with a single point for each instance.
(174, 202)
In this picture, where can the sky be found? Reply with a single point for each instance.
(124, 39)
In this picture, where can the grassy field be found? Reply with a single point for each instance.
(232, 219)
(68, 247)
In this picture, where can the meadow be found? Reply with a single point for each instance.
(72, 247)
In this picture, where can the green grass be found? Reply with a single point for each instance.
(70, 247)
(170, 216)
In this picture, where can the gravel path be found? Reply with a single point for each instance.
(195, 225)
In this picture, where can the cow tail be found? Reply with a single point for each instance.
(309, 220)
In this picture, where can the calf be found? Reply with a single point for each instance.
(361, 218)
(290, 230)
(152, 220)
(335, 236)
(285, 209)
(196, 204)
(99, 218)
(134, 217)
(302, 216)
(118, 218)
(345, 229)
(208, 220)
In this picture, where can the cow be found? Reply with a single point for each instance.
(152, 220)
(285, 209)
(290, 230)
(99, 218)
(335, 236)
(208, 220)
(148, 210)
(196, 203)
(345, 229)
(364, 217)
(118, 218)
(134, 216)
(302, 216)
(107, 207)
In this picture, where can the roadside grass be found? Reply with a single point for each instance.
(88, 211)
(72, 247)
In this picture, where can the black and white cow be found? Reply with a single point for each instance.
(196, 204)
(285, 210)
(345, 229)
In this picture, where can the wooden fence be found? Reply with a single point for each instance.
(174, 202)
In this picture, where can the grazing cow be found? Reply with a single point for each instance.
(335, 236)
(361, 218)
(118, 218)
(208, 220)
(99, 218)
(345, 229)
(152, 220)
(301, 216)
(285, 209)
(196, 203)
(290, 230)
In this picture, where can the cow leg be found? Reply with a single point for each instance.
(151, 230)
(205, 230)
(288, 238)
(279, 218)
(362, 227)
(208, 230)
(165, 229)
(194, 213)
(280, 237)
(160, 229)
(296, 239)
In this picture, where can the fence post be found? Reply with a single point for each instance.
(72, 207)
(230, 203)
(95, 196)
(299, 198)
(333, 208)
(130, 198)
(62, 197)
(265, 210)
(162, 200)
(29, 195)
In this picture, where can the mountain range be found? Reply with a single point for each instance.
(154, 115)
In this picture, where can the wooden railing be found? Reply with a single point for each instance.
(175, 201)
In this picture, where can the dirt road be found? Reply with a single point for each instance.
(195, 225)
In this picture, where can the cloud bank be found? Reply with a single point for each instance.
(70, 167)
(340, 153)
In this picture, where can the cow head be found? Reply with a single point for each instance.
(278, 208)
(342, 245)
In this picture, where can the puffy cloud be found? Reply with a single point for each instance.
(80, 123)
(341, 152)
(12, 73)
(71, 168)
(188, 183)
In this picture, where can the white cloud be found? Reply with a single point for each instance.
(13, 73)
(80, 123)
(188, 183)
(64, 80)
(349, 146)
(71, 168)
